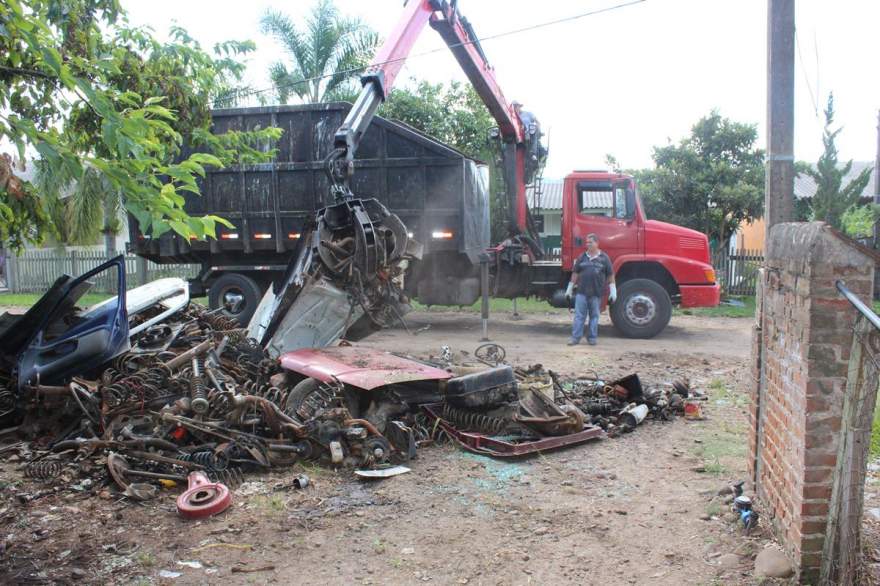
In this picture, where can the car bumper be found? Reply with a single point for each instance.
(700, 295)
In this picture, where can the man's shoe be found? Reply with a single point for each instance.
(591, 342)
(572, 343)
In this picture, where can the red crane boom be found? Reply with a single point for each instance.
(379, 79)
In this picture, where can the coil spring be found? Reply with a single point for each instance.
(198, 390)
(211, 461)
(141, 386)
(43, 469)
(468, 420)
(273, 394)
(219, 322)
(8, 401)
(231, 477)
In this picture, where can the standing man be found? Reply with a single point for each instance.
(591, 272)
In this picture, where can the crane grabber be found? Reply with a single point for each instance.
(521, 151)
(350, 261)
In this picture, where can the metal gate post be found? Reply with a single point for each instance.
(484, 290)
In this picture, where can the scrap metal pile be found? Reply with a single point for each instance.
(175, 393)
(193, 394)
(537, 410)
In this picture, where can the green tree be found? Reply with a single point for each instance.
(325, 57)
(832, 199)
(101, 100)
(711, 181)
(453, 114)
(858, 221)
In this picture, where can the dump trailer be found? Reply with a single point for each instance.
(441, 195)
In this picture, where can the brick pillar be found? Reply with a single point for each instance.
(805, 332)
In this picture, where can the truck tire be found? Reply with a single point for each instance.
(642, 309)
(232, 286)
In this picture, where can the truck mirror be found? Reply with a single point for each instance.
(630, 204)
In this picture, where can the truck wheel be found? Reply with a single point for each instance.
(237, 294)
(642, 309)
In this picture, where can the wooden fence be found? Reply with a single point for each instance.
(34, 271)
(737, 272)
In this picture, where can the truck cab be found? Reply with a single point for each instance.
(656, 265)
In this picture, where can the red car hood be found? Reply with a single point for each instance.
(364, 368)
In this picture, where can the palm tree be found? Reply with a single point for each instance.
(325, 56)
(81, 210)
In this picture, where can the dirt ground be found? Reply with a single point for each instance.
(637, 509)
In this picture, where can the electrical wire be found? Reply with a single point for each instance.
(246, 93)
(797, 43)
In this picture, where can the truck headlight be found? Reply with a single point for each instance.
(442, 234)
(710, 275)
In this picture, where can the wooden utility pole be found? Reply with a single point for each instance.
(779, 181)
(779, 186)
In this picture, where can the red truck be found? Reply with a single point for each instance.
(656, 265)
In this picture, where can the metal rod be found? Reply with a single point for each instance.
(858, 304)
(189, 355)
(484, 290)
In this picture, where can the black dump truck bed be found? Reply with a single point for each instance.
(431, 186)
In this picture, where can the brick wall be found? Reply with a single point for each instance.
(800, 347)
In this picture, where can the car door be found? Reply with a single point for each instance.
(601, 208)
(68, 342)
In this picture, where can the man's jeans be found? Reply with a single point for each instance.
(584, 305)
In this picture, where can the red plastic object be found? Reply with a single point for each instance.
(203, 498)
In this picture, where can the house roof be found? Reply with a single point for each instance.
(551, 195)
(805, 187)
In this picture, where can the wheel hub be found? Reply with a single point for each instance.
(640, 309)
(233, 301)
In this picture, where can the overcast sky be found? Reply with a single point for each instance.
(619, 82)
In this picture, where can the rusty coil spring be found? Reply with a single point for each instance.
(273, 394)
(8, 400)
(141, 386)
(211, 461)
(471, 421)
(231, 477)
(43, 469)
(219, 322)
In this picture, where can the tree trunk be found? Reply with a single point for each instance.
(109, 236)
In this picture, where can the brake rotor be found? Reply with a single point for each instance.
(203, 498)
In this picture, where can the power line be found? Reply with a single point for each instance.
(246, 93)
(797, 43)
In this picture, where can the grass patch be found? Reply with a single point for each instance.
(146, 559)
(272, 504)
(875, 435)
(723, 310)
(714, 509)
(495, 306)
(28, 299)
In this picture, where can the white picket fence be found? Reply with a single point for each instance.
(34, 271)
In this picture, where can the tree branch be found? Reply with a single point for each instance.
(27, 72)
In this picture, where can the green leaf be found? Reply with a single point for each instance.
(182, 228)
(205, 159)
(221, 221)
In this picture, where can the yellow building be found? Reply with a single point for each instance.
(750, 236)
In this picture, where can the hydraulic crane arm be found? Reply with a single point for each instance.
(380, 77)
